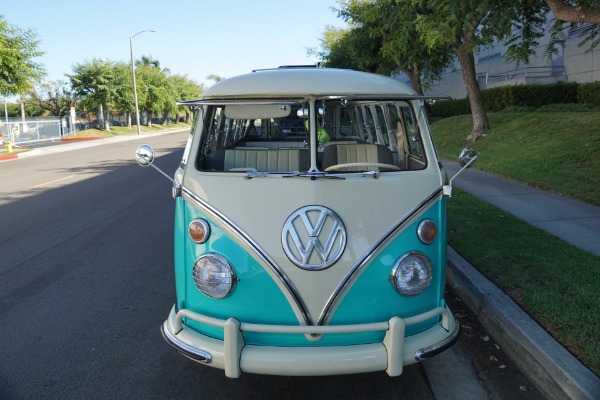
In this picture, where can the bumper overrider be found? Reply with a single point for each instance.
(235, 357)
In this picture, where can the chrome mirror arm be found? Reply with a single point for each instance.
(466, 158)
(144, 156)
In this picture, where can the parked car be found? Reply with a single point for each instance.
(298, 257)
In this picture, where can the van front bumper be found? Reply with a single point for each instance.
(235, 357)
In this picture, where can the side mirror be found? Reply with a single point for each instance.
(467, 157)
(144, 155)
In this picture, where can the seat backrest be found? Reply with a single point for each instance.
(356, 153)
(286, 160)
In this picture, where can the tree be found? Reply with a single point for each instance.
(460, 27)
(581, 15)
(122, 100)
(576, 11)
(148, 61)
(169, 102)
(56, 97)
(94, 83)
(391, 40)
(214, 77)
(335, 50)
(351, 48)
(18, 50)
(152, 91)
(186, 89)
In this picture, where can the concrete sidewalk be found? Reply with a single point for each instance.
(85, 142)
(571, 220)
(555, 372)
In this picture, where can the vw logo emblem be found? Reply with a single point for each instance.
(313, 238)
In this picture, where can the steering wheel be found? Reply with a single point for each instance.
(337, 167)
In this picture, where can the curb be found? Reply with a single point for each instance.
(556, 373)
(9, 157)
(87, 141)
(75, 139)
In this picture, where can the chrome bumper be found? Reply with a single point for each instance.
(235, 357)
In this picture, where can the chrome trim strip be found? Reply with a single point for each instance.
(434, 349)
(362, 262)
(215, 101)
(207, 208)
(185, 349)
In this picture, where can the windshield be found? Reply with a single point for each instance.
(356, 136)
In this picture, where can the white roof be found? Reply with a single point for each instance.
(307, 82)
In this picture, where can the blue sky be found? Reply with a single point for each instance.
(195, 38)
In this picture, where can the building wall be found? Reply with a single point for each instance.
(571, 64)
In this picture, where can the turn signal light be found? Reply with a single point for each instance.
(199, 231)
(427, 231)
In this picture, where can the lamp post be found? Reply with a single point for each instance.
(137, 111)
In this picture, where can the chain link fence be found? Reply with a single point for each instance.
(38, 129)
(31, 130)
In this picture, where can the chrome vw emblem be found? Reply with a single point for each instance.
(313, 238)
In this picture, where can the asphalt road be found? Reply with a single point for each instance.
(86, 280)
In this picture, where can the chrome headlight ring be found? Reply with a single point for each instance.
(412, 273)
(214, 276)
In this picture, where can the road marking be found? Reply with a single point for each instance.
(51, 182)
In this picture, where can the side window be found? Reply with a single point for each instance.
(369, 125)
(415, 144)
(381, 126)
(214, 129)
(396, 133)
(359, 124)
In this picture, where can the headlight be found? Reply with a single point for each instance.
(214, 276)
(412, 273)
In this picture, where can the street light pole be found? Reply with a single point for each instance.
(135, 98)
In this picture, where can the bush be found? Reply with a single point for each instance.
(589, 93)
(568, 107)
(450, 108)
(497, 99)
(518, 109)
(520, 98)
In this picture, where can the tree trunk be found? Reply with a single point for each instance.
(105, 115)
(25, 126)
(480, 119)
(149, 120)
(574, 13)
(414, 75)
(129, 120)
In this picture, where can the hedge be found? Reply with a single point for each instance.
(499, 98)
(589, 93)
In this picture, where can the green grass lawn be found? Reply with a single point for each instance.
(556, 283)
(123, 130)
(559, 151)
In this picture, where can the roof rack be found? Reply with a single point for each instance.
(316, 65)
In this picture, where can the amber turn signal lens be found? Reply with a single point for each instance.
(427, 231)
(199, 231)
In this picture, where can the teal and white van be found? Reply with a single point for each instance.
(310, 227)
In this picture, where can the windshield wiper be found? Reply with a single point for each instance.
(313, 175)
(255, 174)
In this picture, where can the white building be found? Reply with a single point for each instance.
(571, 64)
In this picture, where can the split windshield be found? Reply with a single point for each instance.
(332, 136)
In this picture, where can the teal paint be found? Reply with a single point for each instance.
(258, 299)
